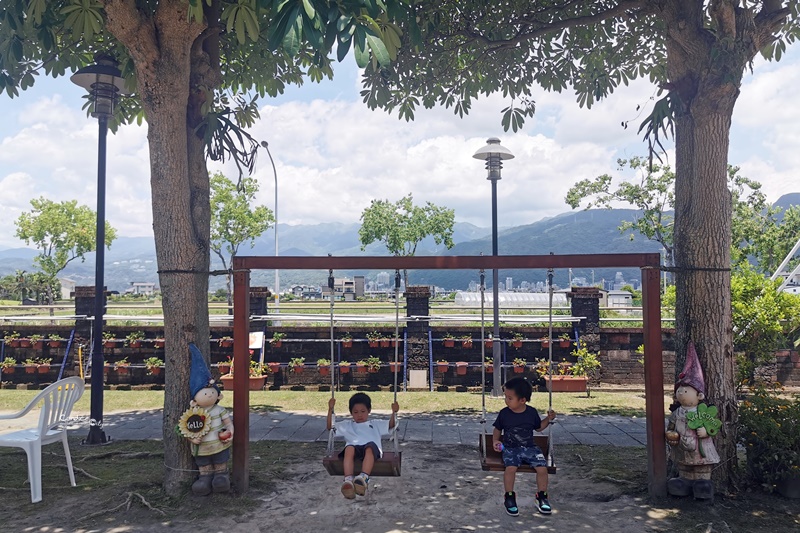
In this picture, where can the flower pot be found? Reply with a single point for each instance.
(158, 343)
(347, 344)
(396, 367)
(277, 344)
(488, 344)
(449, 343)
(122, 370)
(564, 344)
(298, 369)
(566, 383)
(135, 344)
(107, 369)
(109, 344)
(254, 383)
(490, 369)
(519, 369)
(372, 344)
(344, 369)
(466, 344)
(361, 368)
(38, 345)
(373, 369)
(325, 370)
(14, 343)
(442, 367)
(225, 343)
(54, 344)
(545, 344)
(24, 343)
(384, 343)
(31, 369)
(274, 367)
(224, 368)
(461, 369)
(516, 344)
(8, 370)
(154, 370)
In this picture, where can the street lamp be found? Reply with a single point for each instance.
(104, 82)
(494, 154)
(265, 144)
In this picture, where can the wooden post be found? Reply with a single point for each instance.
(654, 383)
(241, 382)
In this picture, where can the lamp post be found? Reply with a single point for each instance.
(494, 154)
(104, 82)
(265, 144)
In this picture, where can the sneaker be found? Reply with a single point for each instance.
(510, 502)
(360, 482)
(542, 504)
(348, 490)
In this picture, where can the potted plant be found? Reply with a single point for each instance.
(516, 340)
(519, 365)
(54, 340)
(575, 377)
(373, 364)
(257, 369)
(395, 367)
(442, 366)
(466, 341)
(108, 339)
(344, 367)
(122, 366)
(461, 368)
(347, 340)
(488, 342)
(297, 364)
(448, 340)
(31, 364)
(153, 365)
(373, 338)
(7, 365)
(361, 366)
(564, 340)
(37, 341)
(134, 339)
(12, 339)
(385, 342)
(488, 363)
(274, 367)
(158, 343)
(586, 366)
(277, 339)
(324, 366)
(43, 365)
(545, 342)
(225, 342)
(769, 431)
(542, 368)
(225, 366)
(24, 342)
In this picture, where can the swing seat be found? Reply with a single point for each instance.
(386, 466)
(492, 461)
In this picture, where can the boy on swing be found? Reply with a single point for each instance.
(516, 423)
(363, 441)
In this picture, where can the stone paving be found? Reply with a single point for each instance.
(435, 429)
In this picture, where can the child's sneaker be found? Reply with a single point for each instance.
(510, 502)
(541, 502)
(360, 482)
(348, 490)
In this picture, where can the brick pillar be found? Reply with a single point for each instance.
(259, 298)
(84, 305)
(417, 303)
(585, 302)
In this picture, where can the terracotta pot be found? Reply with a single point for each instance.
(566, 383)
(135, 344)
(361, 368)
(38, 345)
(384, 343)
(488, 344)
(14, 343)
(490, 369)
(154, 370)
(519, 369)
(466, 344)
(158, 343)
(274, 367)
(107, 369)
(461, 369)
(54, 344)
(8, 370)
(373, 369)
(109, 344)
(24, 343)
(545, 344)
(344, 369)
(255, 383)
(449, 343)
(442, 367)
(298, 369)
(325, 370)
(564, 344)
(123, 370)
(225, 343)
(347, 344)
(31, 369)
(277, 344)
(516, 344)
(372, 344)
(224, 368)
(396, 367)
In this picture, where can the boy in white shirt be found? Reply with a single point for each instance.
(363, 441)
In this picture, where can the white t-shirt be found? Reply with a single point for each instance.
(358, 434)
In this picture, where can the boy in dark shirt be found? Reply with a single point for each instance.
(516, 423)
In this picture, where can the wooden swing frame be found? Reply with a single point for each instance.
(649, 263)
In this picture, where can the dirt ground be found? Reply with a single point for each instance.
(442, 489)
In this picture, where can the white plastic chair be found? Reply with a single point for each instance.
(56, 403)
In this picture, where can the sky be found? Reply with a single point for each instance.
(333, 155)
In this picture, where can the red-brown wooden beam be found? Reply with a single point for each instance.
(241, 381)
(654, 383)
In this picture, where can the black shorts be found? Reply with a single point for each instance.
(360, 449)
(216, 459)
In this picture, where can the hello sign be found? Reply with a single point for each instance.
(194, 422)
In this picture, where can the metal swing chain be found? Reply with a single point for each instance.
(333, 382)
(550, 362)
(396, 349)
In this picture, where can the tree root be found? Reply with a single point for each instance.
(127, 504)
(82, 471)
(121, 455)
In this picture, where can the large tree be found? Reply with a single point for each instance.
(697, 52)
(401, 226)
(233, 221)
(189, 63)
(62, 231)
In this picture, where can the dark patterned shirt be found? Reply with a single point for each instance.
(518, 428)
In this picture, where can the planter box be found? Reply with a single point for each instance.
(38, 345)
(256, 383)
(566, 383)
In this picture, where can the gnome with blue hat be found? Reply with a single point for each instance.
(208, 427)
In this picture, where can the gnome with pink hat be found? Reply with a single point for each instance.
(691, 426)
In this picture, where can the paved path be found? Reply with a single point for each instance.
(434, 429)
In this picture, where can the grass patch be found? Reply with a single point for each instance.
(463, 403)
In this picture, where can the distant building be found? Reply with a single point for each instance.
(306, 292)
(147, 288)
(614, 298)
(67, 288)
(509, 283)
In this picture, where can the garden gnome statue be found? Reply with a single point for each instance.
(689, 433)
(208, 427)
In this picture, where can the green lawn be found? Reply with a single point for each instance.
(601, 403)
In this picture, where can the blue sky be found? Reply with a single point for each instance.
(333, 155)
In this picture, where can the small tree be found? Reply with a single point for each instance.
(62, 232)
(401, 226)
(233, 220)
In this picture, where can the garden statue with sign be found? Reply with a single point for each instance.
(691, 426)
(208, 427)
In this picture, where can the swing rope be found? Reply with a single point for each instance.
(550, 364)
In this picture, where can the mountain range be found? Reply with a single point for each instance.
(133, 259)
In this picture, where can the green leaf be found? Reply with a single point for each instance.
(378, 48)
